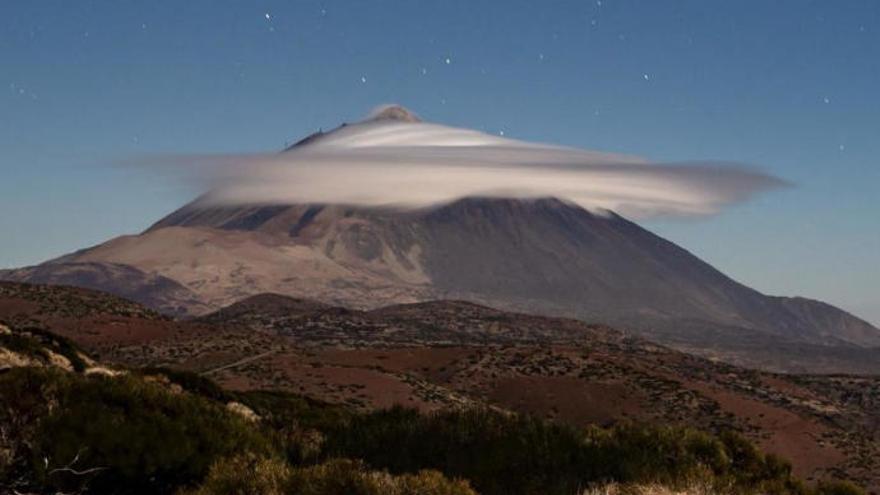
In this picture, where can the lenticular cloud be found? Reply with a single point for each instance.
(394, 159)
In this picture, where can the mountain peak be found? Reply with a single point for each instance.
(393, 112)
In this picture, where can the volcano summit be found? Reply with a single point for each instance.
(425, 211)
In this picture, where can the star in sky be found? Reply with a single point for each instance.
(22, 91)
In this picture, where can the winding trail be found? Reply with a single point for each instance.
(238, 363)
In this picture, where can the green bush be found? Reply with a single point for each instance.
(281, 409)
(190, 381)
(639, 453)
(60, 345)
(24, 345)
(129, 435)
(35, 342)
(296, 421)
(498, 453)
(245, 475)
(512, 454)
(21, 407)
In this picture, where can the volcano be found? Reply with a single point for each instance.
(538, 255)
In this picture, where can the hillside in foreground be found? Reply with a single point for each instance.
(71, 424)
(454, 355)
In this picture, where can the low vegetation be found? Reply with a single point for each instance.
(254, 475)
(163, 431)
(38, 344)
(504, 454)
(63, 431)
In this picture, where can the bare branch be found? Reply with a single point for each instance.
(69, 467)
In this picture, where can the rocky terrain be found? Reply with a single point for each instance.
(444, 354)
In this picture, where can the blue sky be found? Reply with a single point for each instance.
(789, 86)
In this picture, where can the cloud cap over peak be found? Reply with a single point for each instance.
(393, 158)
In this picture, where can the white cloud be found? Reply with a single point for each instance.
(388, 161)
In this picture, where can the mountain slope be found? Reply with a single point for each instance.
(538, 255)
(150, 289)
(541, 255)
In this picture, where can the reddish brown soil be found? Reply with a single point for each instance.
(785, 433)
(568, 399)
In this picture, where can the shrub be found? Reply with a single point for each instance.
(67, 432)
(21, 406)
(36, 343)
(498, 453)
(24, 345)
(245, 475)
(60, 345)
(512, 454)
(641, 453)
(298, 422)
(838, 488)
(345, 477)
(119, 435)
(429, 482)
(190, 381)
(253, 475)
(693, 487)
(281, 409)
